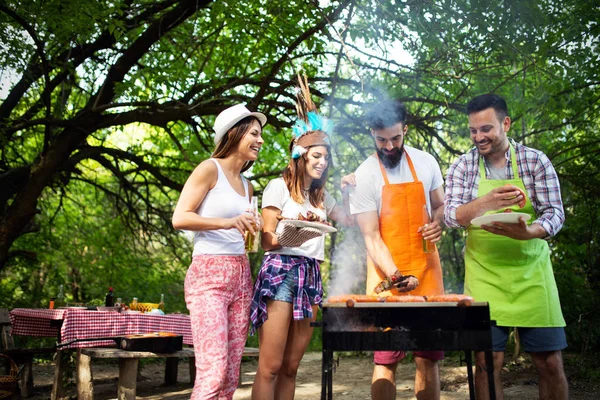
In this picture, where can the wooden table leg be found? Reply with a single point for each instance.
(127, 378)
(192, 362)
(171, 368)
(59, 369)
(26, 378)
(85, 386)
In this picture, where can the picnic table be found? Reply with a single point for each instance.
(71, 324)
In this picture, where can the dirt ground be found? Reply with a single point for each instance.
(350, 381)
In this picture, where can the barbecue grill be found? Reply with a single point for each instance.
(406, 326)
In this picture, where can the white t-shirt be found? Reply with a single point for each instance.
(277, 195)
(366, 196)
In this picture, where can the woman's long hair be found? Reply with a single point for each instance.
(232, 139)
(294, 174)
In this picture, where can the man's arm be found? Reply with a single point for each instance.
(368, 223)
(547, 200)
(461, 208)
(496, 199)
(436, 197)
(433, 230)
(457, 192)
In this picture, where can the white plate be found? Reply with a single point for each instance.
(102, 308)
(507, 218)
(309, 224)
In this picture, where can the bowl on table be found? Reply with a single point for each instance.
(145, 307)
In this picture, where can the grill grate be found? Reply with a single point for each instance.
(405, 326)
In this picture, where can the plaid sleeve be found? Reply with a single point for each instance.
(547, 200)
(457, 191)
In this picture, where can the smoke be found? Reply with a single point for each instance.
(348, 264)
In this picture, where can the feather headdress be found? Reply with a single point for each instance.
(310, 129)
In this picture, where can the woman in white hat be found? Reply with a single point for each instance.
(214, 204)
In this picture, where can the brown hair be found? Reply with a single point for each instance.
(232, 139)
(294, 174)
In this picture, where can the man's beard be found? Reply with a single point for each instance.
(391, 160)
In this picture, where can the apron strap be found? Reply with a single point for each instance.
(410, 165)
(513, 162)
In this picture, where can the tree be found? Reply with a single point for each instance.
(115, 101)
(167, 64)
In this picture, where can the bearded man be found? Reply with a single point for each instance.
(389, 194)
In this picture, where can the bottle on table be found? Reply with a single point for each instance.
(161, 305)
(428, 246)
(119, 303)
(134, 304)
(251, 240)
(109, 301)
(60, 297)
(51, 304)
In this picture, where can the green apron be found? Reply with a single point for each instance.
(514, 276)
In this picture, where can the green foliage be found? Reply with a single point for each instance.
(112, 108)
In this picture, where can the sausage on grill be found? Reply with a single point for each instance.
(351, 299)
(458, 298)
(405, 299)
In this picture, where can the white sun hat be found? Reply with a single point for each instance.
(231, 116)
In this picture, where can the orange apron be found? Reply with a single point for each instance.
(399, 220)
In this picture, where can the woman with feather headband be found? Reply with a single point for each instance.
(288, 287)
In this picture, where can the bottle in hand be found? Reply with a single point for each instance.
(251, 240)
(428, 246)
(109, 301)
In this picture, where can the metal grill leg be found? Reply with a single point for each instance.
(324, 371)
(330, 375)
(469, 362)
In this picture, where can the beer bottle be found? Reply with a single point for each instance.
(252, 240)
(161, 305)
(428, 246)
(60, 298)
(109, 301)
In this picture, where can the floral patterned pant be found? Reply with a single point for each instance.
(218, 292)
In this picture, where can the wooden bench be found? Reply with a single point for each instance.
(18, 355)
(128, 367)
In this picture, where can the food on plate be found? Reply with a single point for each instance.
(521, 203)
(405, 299)
(310, 217)
(448, 298)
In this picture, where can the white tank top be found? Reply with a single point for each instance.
(222, 201)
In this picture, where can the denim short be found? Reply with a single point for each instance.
(287, 288)
(534, 340)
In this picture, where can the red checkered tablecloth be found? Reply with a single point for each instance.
(87, 324)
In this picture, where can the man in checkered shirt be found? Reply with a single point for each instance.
(508, 264)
